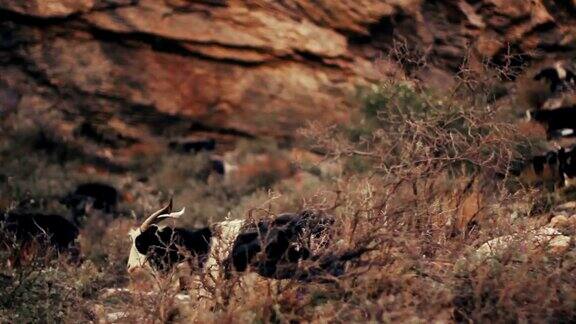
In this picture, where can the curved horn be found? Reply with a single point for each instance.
(174, 215)
(152, 219)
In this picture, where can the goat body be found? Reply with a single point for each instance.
(554, 166)
(280, 242)
(102, 196)
(556, 121)
(50, 231)
(558, 76)
(193, 146)
(91, 195)
(567, 167)
(271, 247)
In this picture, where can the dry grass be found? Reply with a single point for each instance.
(424, 183)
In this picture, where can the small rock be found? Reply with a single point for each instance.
(551, 239)
(115, 316)
(559, 221)
(567, 206)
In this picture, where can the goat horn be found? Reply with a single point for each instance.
(152, 219)
(174, 215)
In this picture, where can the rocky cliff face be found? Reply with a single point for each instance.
(141, 71)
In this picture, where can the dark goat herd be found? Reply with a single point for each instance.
(56, 231)
(559, 165)
(271, 247)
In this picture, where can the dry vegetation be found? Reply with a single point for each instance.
(424, 183)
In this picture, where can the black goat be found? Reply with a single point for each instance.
(52, 229)
(91, 195)
(193, 146)
(48, 231)
(567, 167)
(274, 247)
(558, 76)
(541, 169)
(556, 121)
(555, 167)
(218, 166)
(164, 246)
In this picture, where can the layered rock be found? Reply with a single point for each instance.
(247, 67)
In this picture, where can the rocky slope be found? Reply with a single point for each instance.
(142, 71)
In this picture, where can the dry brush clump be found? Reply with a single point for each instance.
(426, 174)
(41, 284)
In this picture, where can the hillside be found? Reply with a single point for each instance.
(249, 68)
(402, 122)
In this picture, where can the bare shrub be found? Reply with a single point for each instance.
(423, 180)
(43, 285)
